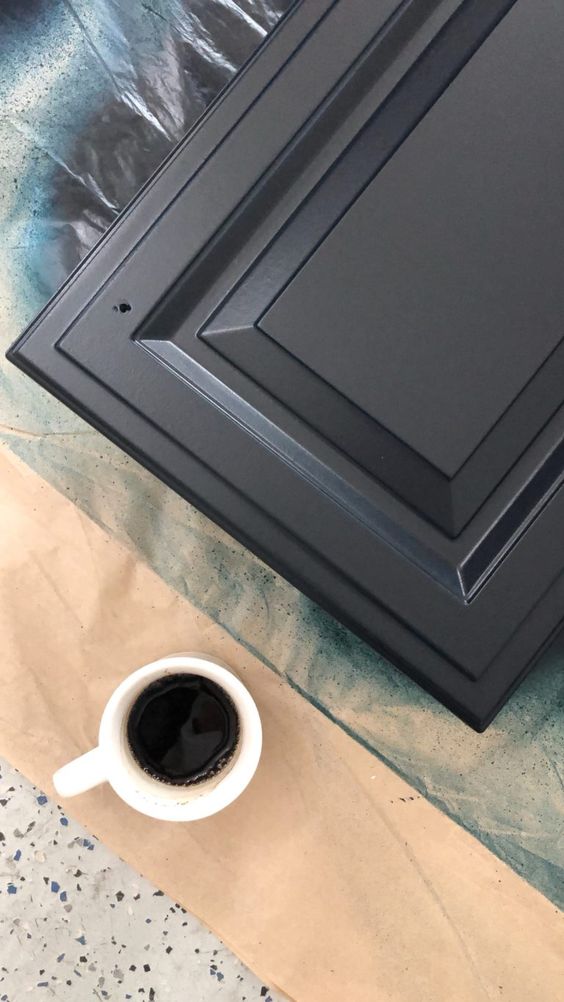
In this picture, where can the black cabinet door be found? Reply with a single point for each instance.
(334, 321)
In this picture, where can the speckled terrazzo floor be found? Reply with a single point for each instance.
(77, 923)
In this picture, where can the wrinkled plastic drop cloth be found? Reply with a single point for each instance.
(93, 95)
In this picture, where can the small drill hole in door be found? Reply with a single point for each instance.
(123, 307)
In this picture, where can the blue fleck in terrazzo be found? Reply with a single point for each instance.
(73, 920)
(92, 97)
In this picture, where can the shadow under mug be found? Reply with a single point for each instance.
(113, 762)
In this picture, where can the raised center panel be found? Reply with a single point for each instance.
(439, 294)
(411, 308)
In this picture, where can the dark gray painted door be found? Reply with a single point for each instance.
(342, 331)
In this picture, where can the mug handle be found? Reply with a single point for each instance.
(81, 774)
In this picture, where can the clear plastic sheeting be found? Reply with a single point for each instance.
(95, 94)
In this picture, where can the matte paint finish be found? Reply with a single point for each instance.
(442, 285)
(464, 604)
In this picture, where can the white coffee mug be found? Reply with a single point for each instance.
(113, 762)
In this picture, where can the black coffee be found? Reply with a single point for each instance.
(183, 729)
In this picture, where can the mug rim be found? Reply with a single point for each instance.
(203, 799)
